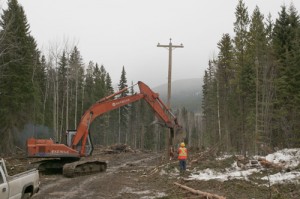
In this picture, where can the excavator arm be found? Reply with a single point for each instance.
(77, 141)
(109, 103)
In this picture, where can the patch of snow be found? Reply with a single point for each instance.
(160, 194)
(142, 192)
(281, 178)
(157, 195)
(229, 174)
(287, 158)
(224, 157)
(126, 190)
(146, 194)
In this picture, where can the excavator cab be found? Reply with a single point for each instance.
(88, 146)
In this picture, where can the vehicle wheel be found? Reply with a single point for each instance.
(26, 196)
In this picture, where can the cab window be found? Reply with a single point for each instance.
(1, 177)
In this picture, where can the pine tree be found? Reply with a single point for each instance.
(284, 44)
(225, 77)
(259, 54)
(39, 80)
(108, 83)
(63, 76)
(132, 120)
(44, 86)
(112, 115)
(100, 85)
(244, 74)
(18, 57)
(89, 97)
(295, 75)
(209, 104)
(123, 111)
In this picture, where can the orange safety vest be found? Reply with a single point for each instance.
(182, 153)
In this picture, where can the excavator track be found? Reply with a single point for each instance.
(84, 167)
(50, 165)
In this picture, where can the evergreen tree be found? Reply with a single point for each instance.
(39, 81)
(99, 80)
(209, 104)
(286, 48)
(103, 80)
(259, 56)
(112, 115)
(44, 86)
(62, 73)
(100, 92)
(244, 73)
(132, 119)
(18, 57)
(123, 111)
(108, 83)
(89, 97)
(295, 74)
(225, 77)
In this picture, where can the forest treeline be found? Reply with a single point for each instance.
(251, 90)
(45, 94)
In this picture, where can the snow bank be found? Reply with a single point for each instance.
(209, 174)
(287, 158)
(281, 178)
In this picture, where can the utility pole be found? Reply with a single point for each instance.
(170, 47)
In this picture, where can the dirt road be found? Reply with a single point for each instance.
(126, 177)
(145, 175)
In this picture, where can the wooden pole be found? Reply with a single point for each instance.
(170, 47)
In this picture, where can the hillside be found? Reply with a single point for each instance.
(185, 93)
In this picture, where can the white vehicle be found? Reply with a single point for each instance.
(19, 186)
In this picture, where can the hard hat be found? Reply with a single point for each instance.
(182, 144)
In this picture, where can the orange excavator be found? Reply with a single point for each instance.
(68, 156)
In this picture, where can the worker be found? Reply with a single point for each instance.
(182, 156)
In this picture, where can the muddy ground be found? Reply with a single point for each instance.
(147, 175)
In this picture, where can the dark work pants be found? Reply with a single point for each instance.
(182, 165)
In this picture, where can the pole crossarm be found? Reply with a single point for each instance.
(170, 47)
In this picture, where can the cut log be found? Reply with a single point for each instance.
(267, 164)
(201, 193)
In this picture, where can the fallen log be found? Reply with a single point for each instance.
(267, 164)
(201, 193)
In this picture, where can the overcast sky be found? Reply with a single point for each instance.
(119, 33)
